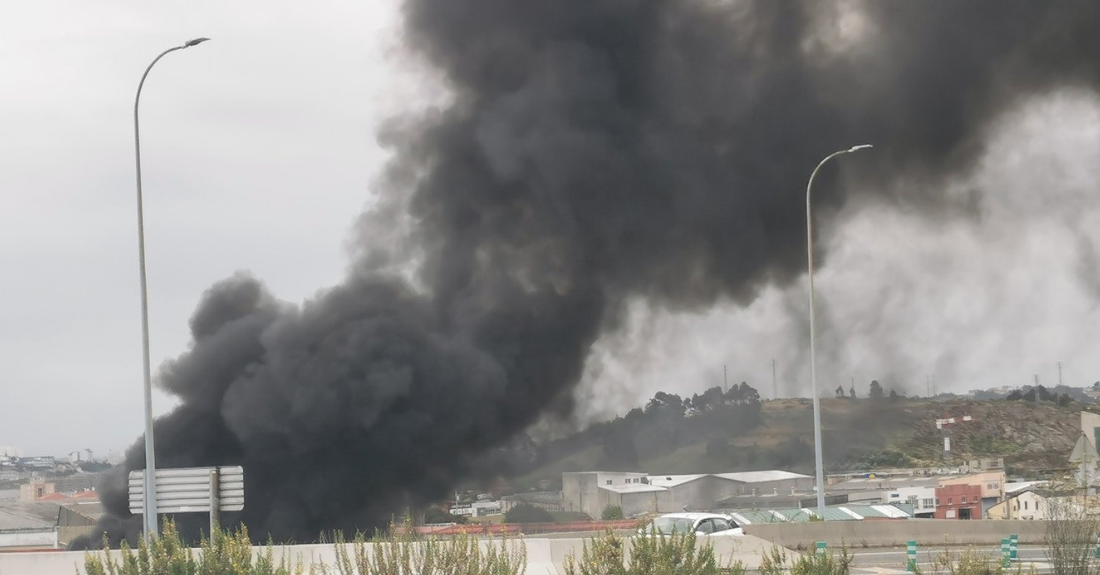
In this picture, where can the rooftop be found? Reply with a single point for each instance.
(674, 480)
(833, 513)
(761, 476)
(880, 483)
(1021, 486)
(16, 515)
(639, 473)
(633, 488)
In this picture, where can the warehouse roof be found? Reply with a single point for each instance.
(674, 480)
(834, 513)
(761, 476)
(22, 515)
(633, 488)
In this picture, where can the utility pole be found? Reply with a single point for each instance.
(933, 385)
(775, 383)
(725, 380)
(1036, 379)
(1059, 373)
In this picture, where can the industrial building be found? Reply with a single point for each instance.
(958, 501)
(638, 493)
(923, 492)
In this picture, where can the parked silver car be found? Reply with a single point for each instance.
(702, 524)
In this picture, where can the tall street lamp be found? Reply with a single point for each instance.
(819, 471)
(149, 508)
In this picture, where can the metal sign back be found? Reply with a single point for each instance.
(188, 490)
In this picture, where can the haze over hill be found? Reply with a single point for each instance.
(1034, 434)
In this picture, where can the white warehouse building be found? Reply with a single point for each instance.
(638, 493)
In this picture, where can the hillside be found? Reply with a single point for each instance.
(858, 434)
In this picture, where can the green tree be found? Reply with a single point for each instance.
(437, 515)
(876, 390)
(527, 513)
(612, 513)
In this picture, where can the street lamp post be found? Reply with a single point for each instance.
(149, 508)
(819, 468)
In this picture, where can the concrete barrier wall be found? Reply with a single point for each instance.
(28, 538)
(545, 556)
(897, 533)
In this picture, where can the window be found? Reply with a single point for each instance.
(720, 524)
(927, 502)
(609, 482)
(937, 502)
(1025, 505)
(963, 501)
(705, 526)
(949, 501)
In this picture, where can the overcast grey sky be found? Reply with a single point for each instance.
(258, 150)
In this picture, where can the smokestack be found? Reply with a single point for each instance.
(596, 152)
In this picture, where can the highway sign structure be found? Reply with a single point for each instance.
(191, 490)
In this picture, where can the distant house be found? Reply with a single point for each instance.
(36, 490)
(1022, 505)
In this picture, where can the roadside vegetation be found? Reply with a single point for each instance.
(659, 555)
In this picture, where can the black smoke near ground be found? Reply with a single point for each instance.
(594, 151)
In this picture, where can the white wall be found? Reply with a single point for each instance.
(1027, 505)
(544, 556)
(925, 498)
(29, 538)
(581, 490)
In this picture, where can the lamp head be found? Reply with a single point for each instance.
(859, 147)
(194, 42)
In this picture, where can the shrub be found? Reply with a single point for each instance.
(527, 513)
(971, 562)
(612, 513)
(437, 515)
(823, 564)
(231, 553)
(227, 553)
(656, 555)
(405, 554)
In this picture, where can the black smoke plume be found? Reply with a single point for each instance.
(594, 151)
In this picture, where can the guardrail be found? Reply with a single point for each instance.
(897, 533)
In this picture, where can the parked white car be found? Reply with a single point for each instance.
(702, 524)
